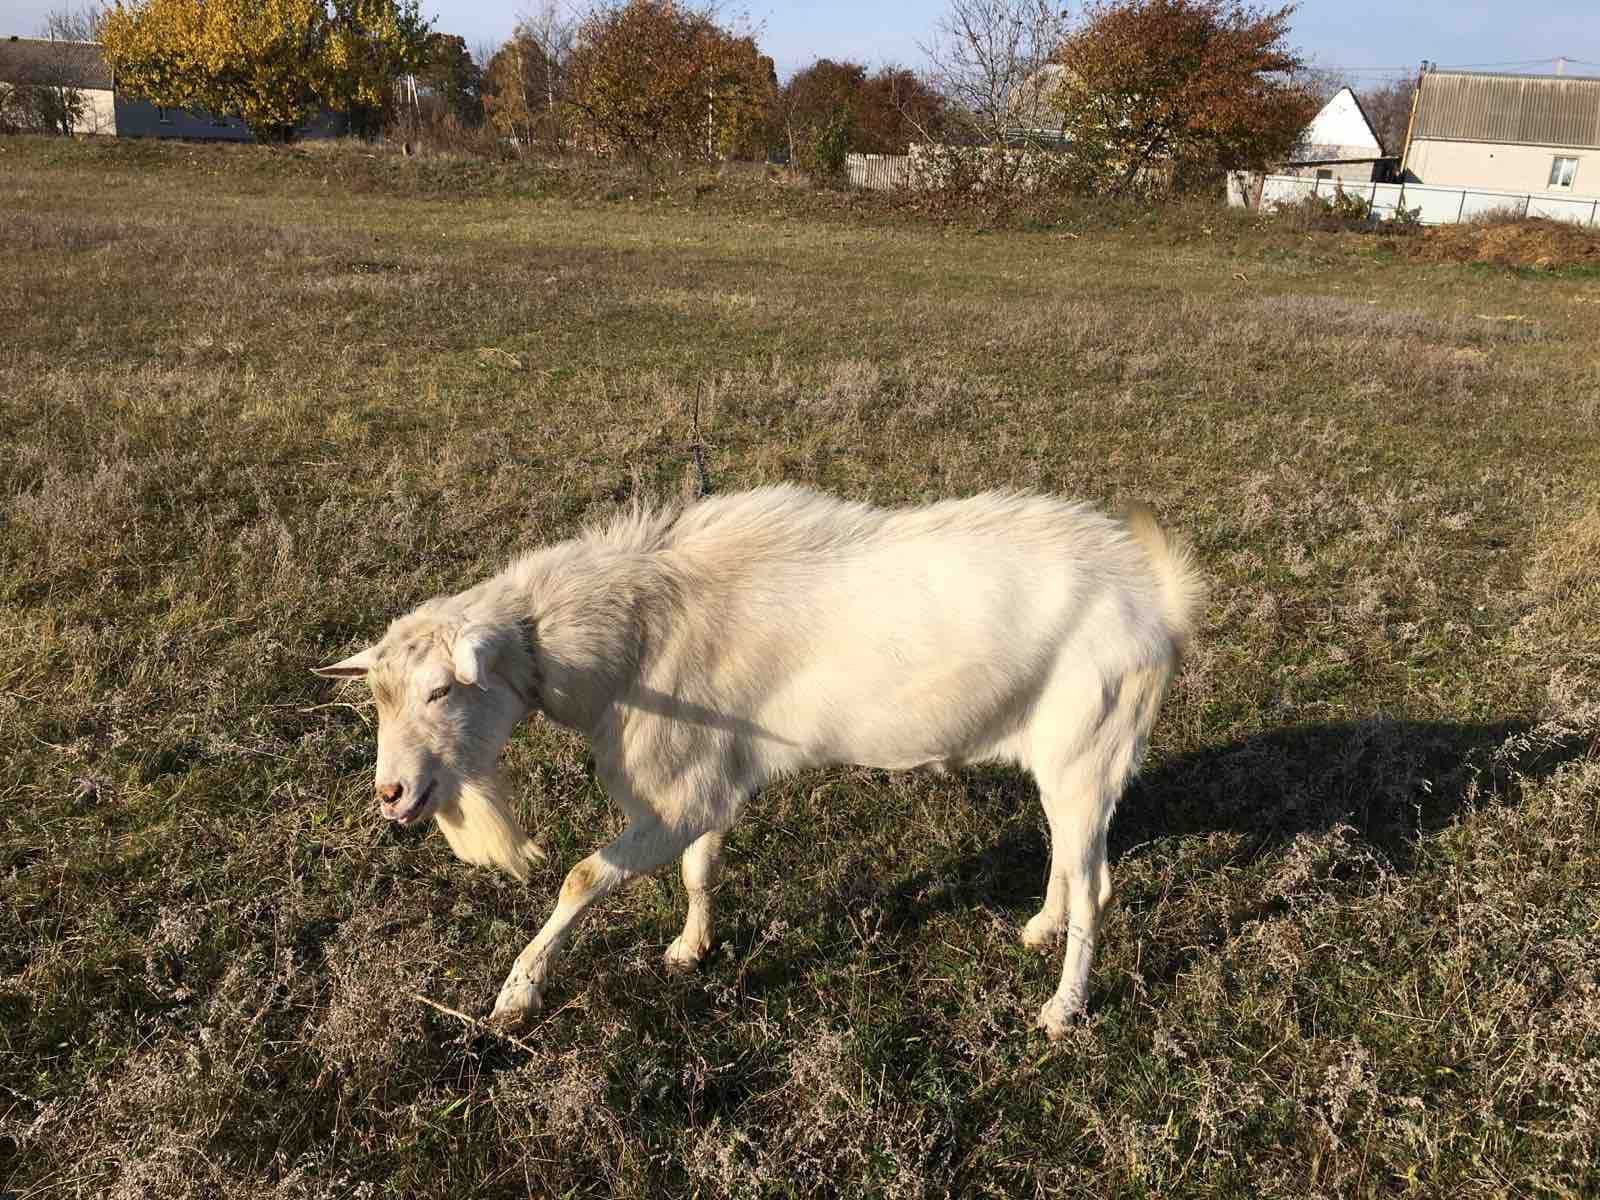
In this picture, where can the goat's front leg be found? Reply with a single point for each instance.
(699, 877)
(641, 848)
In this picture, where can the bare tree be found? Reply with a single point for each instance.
(990, 58)
(553, 31)
(524, 80)
(553, 27)
(74, 24)
(1318, 81)
(1388, 107)
(47, 93)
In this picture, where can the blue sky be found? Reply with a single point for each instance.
(1336, 33)
(1342, 33)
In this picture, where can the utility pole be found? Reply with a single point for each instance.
(1411, 121)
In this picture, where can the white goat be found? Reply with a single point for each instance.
(708, 650)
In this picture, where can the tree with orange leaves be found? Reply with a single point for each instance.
(1178, 90)
(653, 80)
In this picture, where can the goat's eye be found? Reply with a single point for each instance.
(438, 693)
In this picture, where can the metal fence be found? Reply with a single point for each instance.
(1433, 205)
(880, 172)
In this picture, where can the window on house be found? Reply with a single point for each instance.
(1324, 173)
(163, 116)
(1562, 171)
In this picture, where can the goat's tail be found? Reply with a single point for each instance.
(1183, 587)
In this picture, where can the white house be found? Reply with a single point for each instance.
(1340, 144)
(78, 69)
(1516, 133)
(64, 69)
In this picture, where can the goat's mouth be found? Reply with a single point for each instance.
(417, 809)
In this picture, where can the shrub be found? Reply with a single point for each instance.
(822, 154)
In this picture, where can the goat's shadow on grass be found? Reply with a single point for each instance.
(1394, 782)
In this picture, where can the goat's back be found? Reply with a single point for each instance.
(894, 637)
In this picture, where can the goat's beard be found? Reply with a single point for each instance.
(481, 830)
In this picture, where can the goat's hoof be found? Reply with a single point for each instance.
(515, 1004)
(1057, 1015)
(1040, 933)
(685, 955)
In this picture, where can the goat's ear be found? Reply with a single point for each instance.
(353, 667)
(473, 654)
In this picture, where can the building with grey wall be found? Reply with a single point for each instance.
(1340, 144)
(105, 108)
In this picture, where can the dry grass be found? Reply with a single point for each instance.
(1510, 241)
(255, 404)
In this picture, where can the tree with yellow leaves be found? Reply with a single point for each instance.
(271, 63)
(370, 44)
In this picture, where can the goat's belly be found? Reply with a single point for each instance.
(896, 731)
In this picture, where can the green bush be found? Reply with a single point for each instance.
(824, 148)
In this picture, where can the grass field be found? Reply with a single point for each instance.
(254, 404)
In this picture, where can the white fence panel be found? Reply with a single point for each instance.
(1384, 198)
(1433, 205)
(1480, 204)
(1561, 208)
(1280, 190)
(880, 172)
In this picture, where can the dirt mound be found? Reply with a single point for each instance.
(1523, 242)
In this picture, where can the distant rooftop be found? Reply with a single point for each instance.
(1531, 110)
(27, 60)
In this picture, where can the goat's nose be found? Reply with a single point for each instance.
(391, 794)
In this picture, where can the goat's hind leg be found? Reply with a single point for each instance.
(699, 877)
(1080, 884)
(1079, 798)
(1065, 796)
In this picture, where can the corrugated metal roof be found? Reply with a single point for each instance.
(1530, 110)
(53, 63)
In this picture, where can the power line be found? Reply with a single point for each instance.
(1519, 62)
(1516, 62)
(1512, 62)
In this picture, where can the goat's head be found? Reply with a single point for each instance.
(448, 693)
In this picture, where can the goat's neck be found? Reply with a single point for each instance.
(589, 612)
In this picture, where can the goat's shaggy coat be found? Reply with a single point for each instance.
(708, 650)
